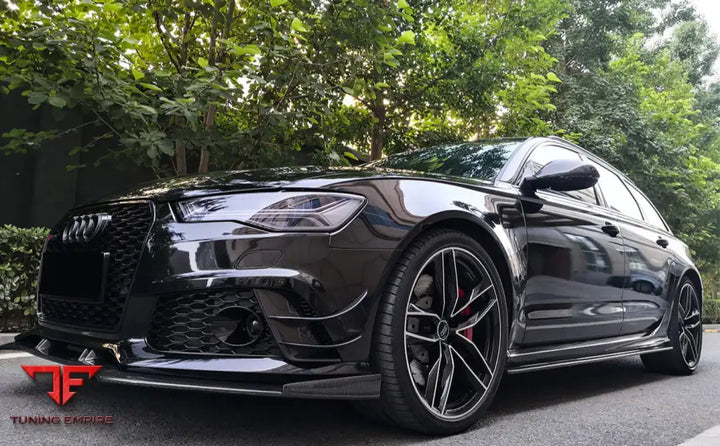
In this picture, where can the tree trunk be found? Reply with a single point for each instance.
(180, 150)
(204, 160)
(204, 165)
(180, 157)
(378, 132)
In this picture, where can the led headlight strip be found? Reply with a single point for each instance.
(276, 211)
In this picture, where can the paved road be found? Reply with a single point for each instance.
(612, 403)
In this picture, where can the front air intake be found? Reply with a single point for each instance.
(216, 322)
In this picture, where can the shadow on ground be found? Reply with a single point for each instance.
(541, 389)
(174, 415)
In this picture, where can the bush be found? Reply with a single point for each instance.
(711, 311)
(20, 250)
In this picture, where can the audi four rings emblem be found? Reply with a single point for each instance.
(84, 228)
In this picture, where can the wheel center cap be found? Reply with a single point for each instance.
(443, 330)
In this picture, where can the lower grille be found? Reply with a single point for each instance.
(123, 240)
(188, 324)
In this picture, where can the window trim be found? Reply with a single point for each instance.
(585, 155)
(634, 189)
(623, 180)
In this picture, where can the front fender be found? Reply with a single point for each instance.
(399, 210)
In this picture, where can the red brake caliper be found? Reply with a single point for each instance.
(468, 332)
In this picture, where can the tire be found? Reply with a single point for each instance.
(433, 380)
(685, 333)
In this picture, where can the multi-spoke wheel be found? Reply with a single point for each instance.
(690, 327)
(685, 333)
(441, 334)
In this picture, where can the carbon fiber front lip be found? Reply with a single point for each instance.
(348, 388)
(228, 375)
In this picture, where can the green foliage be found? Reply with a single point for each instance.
(711, 311)
(20, 250)
(172, 81)
(691, 46)
(251, 82)
(474, 72)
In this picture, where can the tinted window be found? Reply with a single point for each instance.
(616, 194)
(481, 159)
(543, 155)
(648, 210)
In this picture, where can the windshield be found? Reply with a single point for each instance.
(479, 159)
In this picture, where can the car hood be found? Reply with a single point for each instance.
(309, 177)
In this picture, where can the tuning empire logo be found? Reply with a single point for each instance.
(61, 394)
(64, 378)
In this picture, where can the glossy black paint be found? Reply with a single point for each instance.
(561, 175)
(575, 290)
(563, 284)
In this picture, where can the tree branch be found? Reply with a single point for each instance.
(77, 127)
(229, 18)
(189, 23)
(105, 122)
(164, 40)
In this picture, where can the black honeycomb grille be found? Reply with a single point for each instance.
(123, 240)
(184, 324)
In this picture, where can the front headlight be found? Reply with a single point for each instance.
(276, 211)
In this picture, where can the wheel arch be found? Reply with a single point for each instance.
(480, 231)
(694, 277)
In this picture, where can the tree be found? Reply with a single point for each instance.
(643, 108)
(195, 85)
(694, 46)
(250, 81)
(170, 81)
(425, 72)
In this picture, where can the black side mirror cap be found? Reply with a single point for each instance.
(561, 175)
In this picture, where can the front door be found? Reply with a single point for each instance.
(573, 251)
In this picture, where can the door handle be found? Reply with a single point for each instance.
(610, 230)
(662, 242)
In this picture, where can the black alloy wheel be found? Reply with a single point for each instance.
(685, 333)
(441, 336)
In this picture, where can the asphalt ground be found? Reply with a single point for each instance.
(610, 403)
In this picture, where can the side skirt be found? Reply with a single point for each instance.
(578, 361)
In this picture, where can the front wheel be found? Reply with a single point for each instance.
(685, 334)
(440, 338)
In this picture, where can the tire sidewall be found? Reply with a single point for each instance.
(429, 245)
(673, 332)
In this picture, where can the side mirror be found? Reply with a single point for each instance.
(561, 175)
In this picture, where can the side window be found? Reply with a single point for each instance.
(616, 194)
(543, 155)
(648, 210)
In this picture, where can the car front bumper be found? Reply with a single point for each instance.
(133, 362)
(169, 282)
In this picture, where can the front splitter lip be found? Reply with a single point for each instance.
(244, 376)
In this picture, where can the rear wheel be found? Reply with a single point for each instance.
(685, 334)
(441, 335)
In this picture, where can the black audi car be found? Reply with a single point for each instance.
(411, 284)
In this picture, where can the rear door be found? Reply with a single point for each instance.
(648, 253)
(573, 251)
(647, 297)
